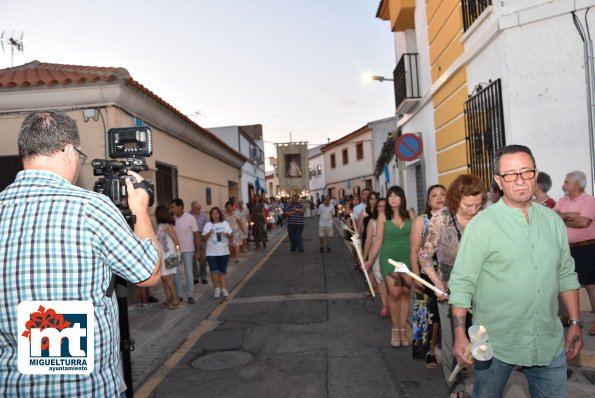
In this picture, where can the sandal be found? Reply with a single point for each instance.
(395, 341)
(431, 361)
(404, 339)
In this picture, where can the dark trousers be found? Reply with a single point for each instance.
(200, 267)
(295, 236)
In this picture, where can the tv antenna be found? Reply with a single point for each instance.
(14, 40)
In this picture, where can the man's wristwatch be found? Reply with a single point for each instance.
(580, 324)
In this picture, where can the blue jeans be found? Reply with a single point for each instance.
(295, 236)
(544, 381)
(187, 260)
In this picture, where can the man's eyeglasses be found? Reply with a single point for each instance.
(82, 156)
(512, 177)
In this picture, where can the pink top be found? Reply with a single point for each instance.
(585, 205)
(186, 226)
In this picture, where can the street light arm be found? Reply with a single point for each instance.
(381, 78)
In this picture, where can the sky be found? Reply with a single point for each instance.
(296, 67)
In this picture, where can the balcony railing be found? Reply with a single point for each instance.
(472, 9)
(406, 81)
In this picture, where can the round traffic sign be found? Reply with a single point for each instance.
(408, 147)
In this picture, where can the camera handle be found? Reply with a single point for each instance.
(148, 188)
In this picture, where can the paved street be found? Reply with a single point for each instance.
(295, 325)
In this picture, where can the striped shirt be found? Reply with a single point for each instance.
(296, 218)
(62, 242)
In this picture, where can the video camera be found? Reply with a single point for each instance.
(131, 145)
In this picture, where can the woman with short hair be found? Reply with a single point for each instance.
(464, 198)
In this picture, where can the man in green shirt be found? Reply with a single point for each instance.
(512, 264)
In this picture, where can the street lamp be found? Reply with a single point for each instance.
(381, 79)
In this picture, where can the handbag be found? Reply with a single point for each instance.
(172, 262)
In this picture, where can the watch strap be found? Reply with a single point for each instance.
(578, 323)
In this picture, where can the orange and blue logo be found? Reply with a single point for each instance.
(56, 337)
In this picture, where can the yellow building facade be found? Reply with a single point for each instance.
(449, 90)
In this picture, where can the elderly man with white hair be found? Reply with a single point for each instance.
(577, 209)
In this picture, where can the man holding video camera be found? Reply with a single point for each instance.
(60, 242)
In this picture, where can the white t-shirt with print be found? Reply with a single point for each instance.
(217, 247)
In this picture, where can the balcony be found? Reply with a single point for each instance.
(472, 9)
(406, 82)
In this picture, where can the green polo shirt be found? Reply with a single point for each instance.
(512, 271)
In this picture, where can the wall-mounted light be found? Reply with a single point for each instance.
(381, 79)
(90, 113)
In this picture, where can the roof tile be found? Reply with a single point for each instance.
(38, 73)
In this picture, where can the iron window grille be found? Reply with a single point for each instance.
(484, 129)
(472, 9)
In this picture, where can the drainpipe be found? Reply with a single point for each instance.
(590, 83)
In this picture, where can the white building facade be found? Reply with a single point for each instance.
(470, 80)
(317, 174)
(252, 179)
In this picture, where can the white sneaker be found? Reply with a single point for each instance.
(217, 293)
(224, 292)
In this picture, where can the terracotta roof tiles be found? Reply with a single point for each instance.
(38, 74)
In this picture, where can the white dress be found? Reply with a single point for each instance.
(168, 249)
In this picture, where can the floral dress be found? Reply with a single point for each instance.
(242, 216)
(168, 249)
(234, 221)
(443, 240)
(259, 233)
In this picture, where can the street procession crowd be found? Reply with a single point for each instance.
(509, 265)
(62, 244)
(193, 240)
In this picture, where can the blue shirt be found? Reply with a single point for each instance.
(62, 242)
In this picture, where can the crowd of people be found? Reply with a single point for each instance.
(192, 241)
(509, 264)
(508, 261)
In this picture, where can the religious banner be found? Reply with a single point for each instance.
(292, 168)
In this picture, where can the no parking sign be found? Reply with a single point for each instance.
(408, 147)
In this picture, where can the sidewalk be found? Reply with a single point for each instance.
(159, 332)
